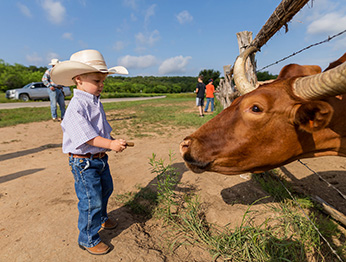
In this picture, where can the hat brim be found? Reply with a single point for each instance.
(64, 72)
(120, 70)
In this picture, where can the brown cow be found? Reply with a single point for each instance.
(277, 123)
(336, 63)
(294, 70)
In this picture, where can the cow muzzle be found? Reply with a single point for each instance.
(195, 164)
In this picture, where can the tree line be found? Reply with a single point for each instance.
(17, 76)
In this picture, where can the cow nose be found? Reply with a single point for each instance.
(184, 146)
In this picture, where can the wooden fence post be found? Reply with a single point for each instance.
(227, 91)
(244, 40)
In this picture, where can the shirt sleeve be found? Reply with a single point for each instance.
(45, 79)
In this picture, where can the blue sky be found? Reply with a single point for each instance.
(165, 37)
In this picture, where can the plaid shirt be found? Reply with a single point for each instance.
(84, 120)
(47, 81)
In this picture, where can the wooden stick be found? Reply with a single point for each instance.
(131, 144)
(281, 16)
(330, 210)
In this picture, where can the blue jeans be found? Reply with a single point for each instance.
(55, 97)
(93, 185)
(211, 101)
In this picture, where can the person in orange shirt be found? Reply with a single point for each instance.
(210, 90)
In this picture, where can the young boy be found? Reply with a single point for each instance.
(86, 138)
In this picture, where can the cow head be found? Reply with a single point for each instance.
(275, 124)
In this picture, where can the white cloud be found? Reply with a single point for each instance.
(131, 3)
(34, 59)
(330, 23)
(148, 39)
(119, 45)
(68, 36)
(174, 65)
(55, 11)
(83, 2)
(24, 9)
(149, 13)
(48, 57)
(184, 17)
(137, 61)
(52, 55)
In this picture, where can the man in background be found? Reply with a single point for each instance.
(56, 94)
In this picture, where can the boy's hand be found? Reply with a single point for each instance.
(118, 145)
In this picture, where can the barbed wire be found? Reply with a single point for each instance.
(305, 48)
(321, 178)
(306, 215)
(311, 222)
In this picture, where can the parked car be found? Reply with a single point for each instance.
(33, 91)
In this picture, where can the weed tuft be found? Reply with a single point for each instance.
(287, 236)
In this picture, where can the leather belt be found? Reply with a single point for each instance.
(88, 155)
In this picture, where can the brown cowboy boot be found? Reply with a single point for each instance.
(100, 249)
(109, 224)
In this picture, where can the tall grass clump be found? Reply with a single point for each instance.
(167, 179)
(286, 236)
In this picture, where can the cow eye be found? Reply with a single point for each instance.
(256, 109)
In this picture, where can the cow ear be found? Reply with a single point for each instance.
(313, 116)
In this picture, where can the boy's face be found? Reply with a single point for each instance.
(91, 83)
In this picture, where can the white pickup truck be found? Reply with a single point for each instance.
(33, 91)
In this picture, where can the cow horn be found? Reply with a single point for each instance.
(327, 84)
(242, 83)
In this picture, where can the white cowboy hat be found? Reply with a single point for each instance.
(54, 61)
(82, 62)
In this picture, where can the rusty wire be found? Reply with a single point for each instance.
(312, 223)
(301, 50)
(321, 178)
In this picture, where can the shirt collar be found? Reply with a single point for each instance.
(86, 96)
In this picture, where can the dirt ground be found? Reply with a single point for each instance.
(38, 218)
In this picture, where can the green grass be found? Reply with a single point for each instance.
(11, 117)
(122, 95)
(138, 118)
(286, 236)
(155, 117)
(3, 98)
